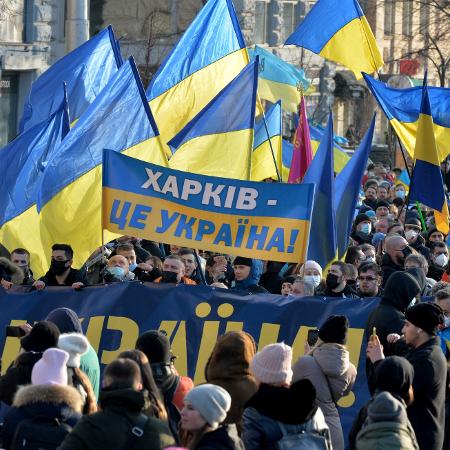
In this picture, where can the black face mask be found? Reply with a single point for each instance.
(169, 277)
(332, 281)
(58, 267)
(351, 282)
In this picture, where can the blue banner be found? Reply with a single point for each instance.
(269, 221)
(193, 317)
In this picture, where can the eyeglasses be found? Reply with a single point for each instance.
(367, 279)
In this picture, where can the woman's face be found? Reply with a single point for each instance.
(191, 420)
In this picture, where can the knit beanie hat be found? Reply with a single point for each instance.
(310, 264)
(241, 261)
(361, 218)
(66, 320)
(334, 330)
(272, 365)
(211, 401)
(395, 375)
(51, 368)
(427, 316)
(386, 408)
(76, 345)
(382, 203)
(42, 336)
(156, 346)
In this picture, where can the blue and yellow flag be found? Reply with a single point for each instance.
(219, 140)
(263, 160)
(279, 80)
(402, 108)
(347, 186)
(209, 55)
(287, 152)
(427, 184)
(69, 198)
(86, 70)
(322, 237)
(25, 159)
(338, 30)
(403, 179)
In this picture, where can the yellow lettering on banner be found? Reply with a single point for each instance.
(269, 334)
(234, 326)
(130, 333)
(298, 346)
(179, 348)
(94, 331)
(11, 348)
(209, 338)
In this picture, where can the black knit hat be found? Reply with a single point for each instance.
(413, 221)
(361, 218)
(427, 316)
(395, 375)
(382, 203)
(42, 336)
(241, 261)
(334, 330)
(156, 346)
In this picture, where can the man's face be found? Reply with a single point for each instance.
(119, 261)
(370, 254)
(371, 193)
(382, 193)
(174, 265)
(437, 236)
(241, 272)
(360, 257)
(60, 255)
(20, 259)
(382, 211)
(381, 226)
(297, 290)
(129, 255)
(439, 251)
(336, 270)
(174, 249)
(445, 306)
(396, 253)
(369, 283)
(411, 333)
(411, 233)
(190, 264)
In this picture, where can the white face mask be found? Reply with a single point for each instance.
(441, 260)
(313, 279)
(411, 234)
(370, 259)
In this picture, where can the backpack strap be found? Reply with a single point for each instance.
(136, 432)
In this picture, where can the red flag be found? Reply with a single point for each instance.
(302, 154)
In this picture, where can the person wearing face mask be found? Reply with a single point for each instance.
(61, 272)
(174, 271)
(362, 229)
(311, 272)
(21, 258)
(399, 191)
(396, 250)
(413, 227)
(369, 252)
(117, 270)
(438, 260)
(336, 282)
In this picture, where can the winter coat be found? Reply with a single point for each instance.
(387, 427)
(271, 404)
(419, 246)
(329, 369)
(223, 438)
(74, 276)
(53, 401)
(435, 272)
(229, 367)
(250, 284)
(426, 413)
(90, 365)
(388, 267)
(11, 272)
(110, 428)
(347, 292)
(18, 374)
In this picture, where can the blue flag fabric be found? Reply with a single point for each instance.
(322, 236)
(347, 186)
(86, 70)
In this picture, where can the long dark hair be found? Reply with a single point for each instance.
(191, 439)
(78, 378)
(155, 407)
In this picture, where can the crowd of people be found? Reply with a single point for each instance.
(54, 396)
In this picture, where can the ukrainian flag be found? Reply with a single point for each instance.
(403, 179)
(263, 161)
(427, 184)
(339, 31)
(210, 54)
(402, 108)
(279, 80)
(86, 70)
(219, 140)
(287, 149)
(24, 160)
(69, 199)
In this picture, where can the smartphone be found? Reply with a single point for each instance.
(313, 336)
(14, 331)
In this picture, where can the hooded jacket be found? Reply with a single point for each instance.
(329, 369)
(53, 401)
(251, 283)
(419, 246)
(229, 367)
(388, 267)
(110, 428)
(11, 272)
(291, 406)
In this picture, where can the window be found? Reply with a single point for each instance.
(261, 18)
(8, 107)
(407, 17)
(389, 15)
(288, 19)
(11, 21)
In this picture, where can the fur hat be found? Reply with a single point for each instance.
(76, 345)
(51, 368)
(272, 365)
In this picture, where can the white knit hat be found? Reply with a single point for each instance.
(310, 264)
(76, 345)
(272, 365)
(211, 401)
(51, 368)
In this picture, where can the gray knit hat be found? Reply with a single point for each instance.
(211, 401)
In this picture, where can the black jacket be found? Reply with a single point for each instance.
(348, 292)
(419, 246)
(110, 428)
(435, 271)
(388, 267)
(426, 413)
(74, 276)
(223, 438)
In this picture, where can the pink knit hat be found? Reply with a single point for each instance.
(51, 368)
(272, 365)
